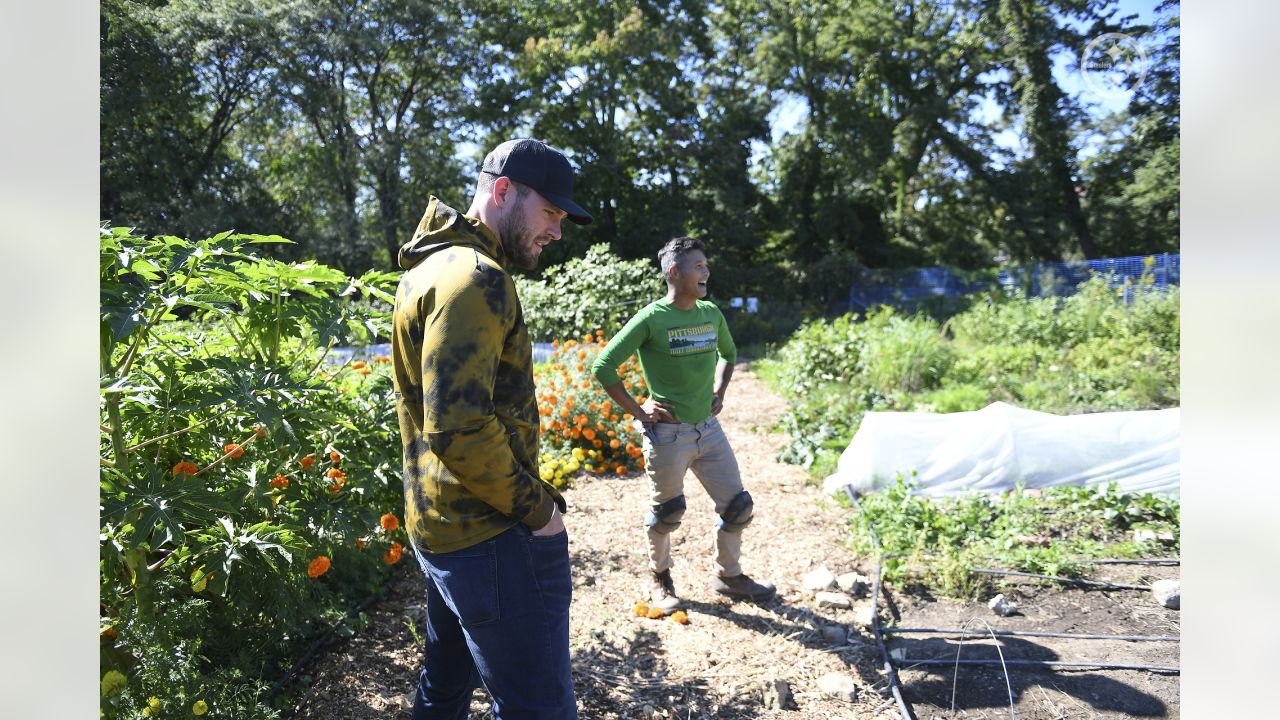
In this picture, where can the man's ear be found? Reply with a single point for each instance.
(502, 190)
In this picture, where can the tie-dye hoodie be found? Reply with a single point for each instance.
(463, 366)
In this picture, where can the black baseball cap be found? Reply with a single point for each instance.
(541, 167)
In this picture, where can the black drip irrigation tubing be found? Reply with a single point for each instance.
(888, 663)
(1073, 581)
(1028, 633)
(1135, 561)
(890, 672)
(1043, 663)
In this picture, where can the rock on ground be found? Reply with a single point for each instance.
(1168, 593)
(1002, 606)
(820, 579)
(839, 686)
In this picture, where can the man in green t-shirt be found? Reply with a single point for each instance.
(687, 356)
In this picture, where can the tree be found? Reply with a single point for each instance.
(1134, 180)
(178, 79)
(379, 86)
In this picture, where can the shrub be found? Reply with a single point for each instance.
(903, 355)
(1092, 351)
(598, 290)
(233, 458)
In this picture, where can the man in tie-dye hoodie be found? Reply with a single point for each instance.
(487, 531)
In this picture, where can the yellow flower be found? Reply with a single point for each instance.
(201, 707)
(545, 474)
(113, 682)
(578, 454)
(153, 704)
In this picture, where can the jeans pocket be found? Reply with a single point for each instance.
(551, 569)
(556, 539)
(468, 582)
(663, 433)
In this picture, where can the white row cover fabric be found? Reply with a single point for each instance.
(994, 448)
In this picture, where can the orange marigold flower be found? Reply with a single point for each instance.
(335, 473)
(186, 466)
(594, 443)
(110, 631)
(654, 613)
(614, 443)
(362, 544)
(593, 407)
(589, 433)
(641, 609)
(334, 457)
(233, 449)
(606, 408)
(681, 617)
(307, 461)
(620, 470)
(564, 413)
(614, 418)
(581, 367)
(582, 354)
(259, 432)
(383, 358)
(357, 364)
(318, 566)
(627, 416)
(364, 371)
(587, 338)
(390, 522)
(393, 555)
(555, 343)
(280, 482)
(335, 488)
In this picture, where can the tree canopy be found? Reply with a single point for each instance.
(331, 121)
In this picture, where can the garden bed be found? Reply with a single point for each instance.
(718, 664)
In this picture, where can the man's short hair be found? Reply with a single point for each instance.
(485, 181)
(675, 249)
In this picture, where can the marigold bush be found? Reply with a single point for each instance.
(582, 429)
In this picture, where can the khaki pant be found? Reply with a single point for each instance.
(671, 449)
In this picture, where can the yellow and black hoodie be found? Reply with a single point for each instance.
(463, 366)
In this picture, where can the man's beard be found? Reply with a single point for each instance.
(517, 240)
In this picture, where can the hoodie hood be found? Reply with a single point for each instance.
(443, 227)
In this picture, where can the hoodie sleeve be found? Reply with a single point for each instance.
(462, 344)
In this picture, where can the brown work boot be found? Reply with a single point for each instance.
(662, 593)
(741, 586)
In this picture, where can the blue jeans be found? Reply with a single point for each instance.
(498, 615)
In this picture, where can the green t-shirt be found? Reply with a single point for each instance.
(678, 351)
